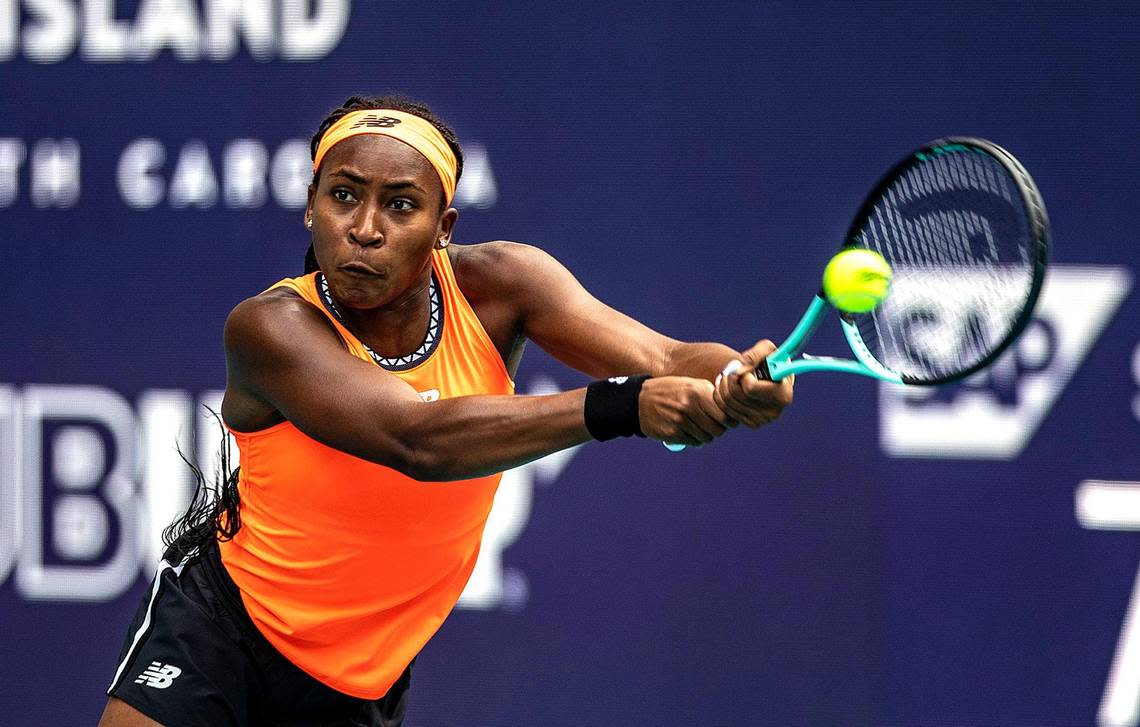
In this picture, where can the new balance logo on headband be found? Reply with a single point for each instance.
(158, 675)
(374, 121)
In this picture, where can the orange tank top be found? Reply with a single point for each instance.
(349, 567)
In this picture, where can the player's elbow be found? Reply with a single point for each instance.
(431, 467)
(419, 445)
(420, 460)
(420, 464)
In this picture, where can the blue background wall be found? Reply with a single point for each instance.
(695, 165)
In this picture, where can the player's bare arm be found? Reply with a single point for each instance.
(521, 292)
(284, 361)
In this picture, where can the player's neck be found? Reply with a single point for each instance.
(395, 329)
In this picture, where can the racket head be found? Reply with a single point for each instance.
(965, 230)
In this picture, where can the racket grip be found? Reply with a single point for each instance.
(762, 371)
(674, 447)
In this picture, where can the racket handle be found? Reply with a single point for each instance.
(674, 447)
(763, 372)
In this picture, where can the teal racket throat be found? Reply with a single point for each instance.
(782, 363)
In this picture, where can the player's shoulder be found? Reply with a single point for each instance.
(271, 306)
(272, 319)
(498, 267)
(494, 258)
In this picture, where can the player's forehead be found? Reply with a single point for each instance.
(379, 159)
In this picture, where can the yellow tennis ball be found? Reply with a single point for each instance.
(857, 280)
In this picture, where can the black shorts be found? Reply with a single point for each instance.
(193, 658)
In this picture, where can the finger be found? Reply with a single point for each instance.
(749, 391)
(710, 428)
(752, 407)
(758, 352)
(749, 399)
(720, 386)
(709, 418)
(750, 417)
(731, 371)
(731, 382)
(731, 368)
(752, 388)
(685, 439)
(755, 389)
(719, 400)
(706, 400)
(733, 401)
(693, 431)
(789, 388)
(677, 433)
(778, 397)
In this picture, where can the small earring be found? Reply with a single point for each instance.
(443, 242)
(309, 223)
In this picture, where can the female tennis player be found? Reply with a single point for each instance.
(371, 401)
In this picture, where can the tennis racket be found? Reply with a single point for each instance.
(964, 229)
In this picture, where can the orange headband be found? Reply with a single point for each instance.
(414, 131)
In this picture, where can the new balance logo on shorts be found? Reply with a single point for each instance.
(158, 675)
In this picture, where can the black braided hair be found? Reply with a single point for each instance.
(368, 103)
(213, 512)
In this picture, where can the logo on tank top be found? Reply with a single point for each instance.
(158, 675)
(430, 395)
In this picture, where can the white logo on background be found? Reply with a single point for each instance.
(994, 414)
(52, 32)
(158, 675)
(477, 187)
(1105, 505)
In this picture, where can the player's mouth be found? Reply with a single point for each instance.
(359, 268)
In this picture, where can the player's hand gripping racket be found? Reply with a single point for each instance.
(964, 232)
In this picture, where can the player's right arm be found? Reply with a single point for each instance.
(284, 361)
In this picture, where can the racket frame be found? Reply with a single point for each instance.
(1039, 232)
(779, 363)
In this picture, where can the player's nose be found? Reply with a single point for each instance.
(366, 226)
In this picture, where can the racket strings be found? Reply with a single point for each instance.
(955, 231)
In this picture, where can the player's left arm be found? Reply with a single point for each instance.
(555, 311)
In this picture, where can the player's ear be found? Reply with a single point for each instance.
(447, 223)
(310, 193)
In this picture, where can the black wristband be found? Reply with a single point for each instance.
(611, 407)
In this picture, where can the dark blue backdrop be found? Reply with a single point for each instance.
(871, 559)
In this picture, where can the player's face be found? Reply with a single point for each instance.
(376, 217)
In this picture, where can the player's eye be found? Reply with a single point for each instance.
(343, 195)
(401, 204)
